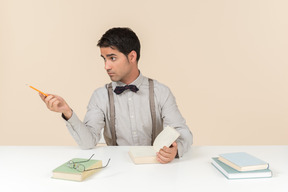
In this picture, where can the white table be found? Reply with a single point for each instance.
(29, 168)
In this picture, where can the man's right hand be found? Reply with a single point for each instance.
(57, 104)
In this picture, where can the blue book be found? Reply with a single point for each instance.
(231, 173)
(242, 161)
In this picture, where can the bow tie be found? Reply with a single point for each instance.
(119, 89)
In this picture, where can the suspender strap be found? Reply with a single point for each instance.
(152, 109)
(112, 111)
(112, 114)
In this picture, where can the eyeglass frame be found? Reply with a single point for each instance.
(75, 165)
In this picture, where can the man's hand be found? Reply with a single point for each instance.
(57, 104)
(166, 155)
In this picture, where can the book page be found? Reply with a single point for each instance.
(165, 138)
(142, 151)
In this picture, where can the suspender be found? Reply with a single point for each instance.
(152, 109)
(112, 113)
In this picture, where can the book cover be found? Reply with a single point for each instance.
(67, 173)
(231, 173)
(242, 161)
(147, 154)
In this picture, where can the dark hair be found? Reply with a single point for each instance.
(124, 39)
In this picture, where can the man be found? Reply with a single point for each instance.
(135, 112)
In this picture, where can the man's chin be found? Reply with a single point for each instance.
(114, 79)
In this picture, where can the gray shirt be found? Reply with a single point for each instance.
(133, 122)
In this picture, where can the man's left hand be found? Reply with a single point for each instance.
(166, 155)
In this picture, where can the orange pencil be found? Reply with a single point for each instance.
(37, 90)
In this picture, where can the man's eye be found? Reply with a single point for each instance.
(113, 58)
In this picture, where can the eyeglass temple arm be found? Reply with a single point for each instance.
(99, 167)
(107, 163)
(85, 160)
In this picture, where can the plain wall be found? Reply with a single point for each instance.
(225, 61)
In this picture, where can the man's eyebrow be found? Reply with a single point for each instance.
(112, 54)
(109, 55)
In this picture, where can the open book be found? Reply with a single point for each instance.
(147, 154)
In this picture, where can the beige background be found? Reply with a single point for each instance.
(225, 61)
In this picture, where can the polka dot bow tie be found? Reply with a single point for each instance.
(119, 89)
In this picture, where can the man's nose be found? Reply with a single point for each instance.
(107, 66)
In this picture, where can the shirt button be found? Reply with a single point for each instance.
(132, 116)
(129, 98)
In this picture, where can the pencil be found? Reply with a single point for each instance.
(37, 90)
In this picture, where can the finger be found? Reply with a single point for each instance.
(42, 97)
(165, 152)
(174, 144)
(172, 148)
(55, 104)
(47, 99)
(168, 154)
(51, 102)
(163, 159)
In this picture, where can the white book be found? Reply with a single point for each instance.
(147, 154)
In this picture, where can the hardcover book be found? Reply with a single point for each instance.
(242, 161)
(147, 154)
(67, 173)
(231, 173)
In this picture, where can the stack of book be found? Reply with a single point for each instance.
(241, 165)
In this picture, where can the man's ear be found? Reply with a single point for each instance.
(132, 56)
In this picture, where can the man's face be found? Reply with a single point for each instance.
(117, 64)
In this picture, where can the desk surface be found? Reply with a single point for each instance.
(30, 168)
